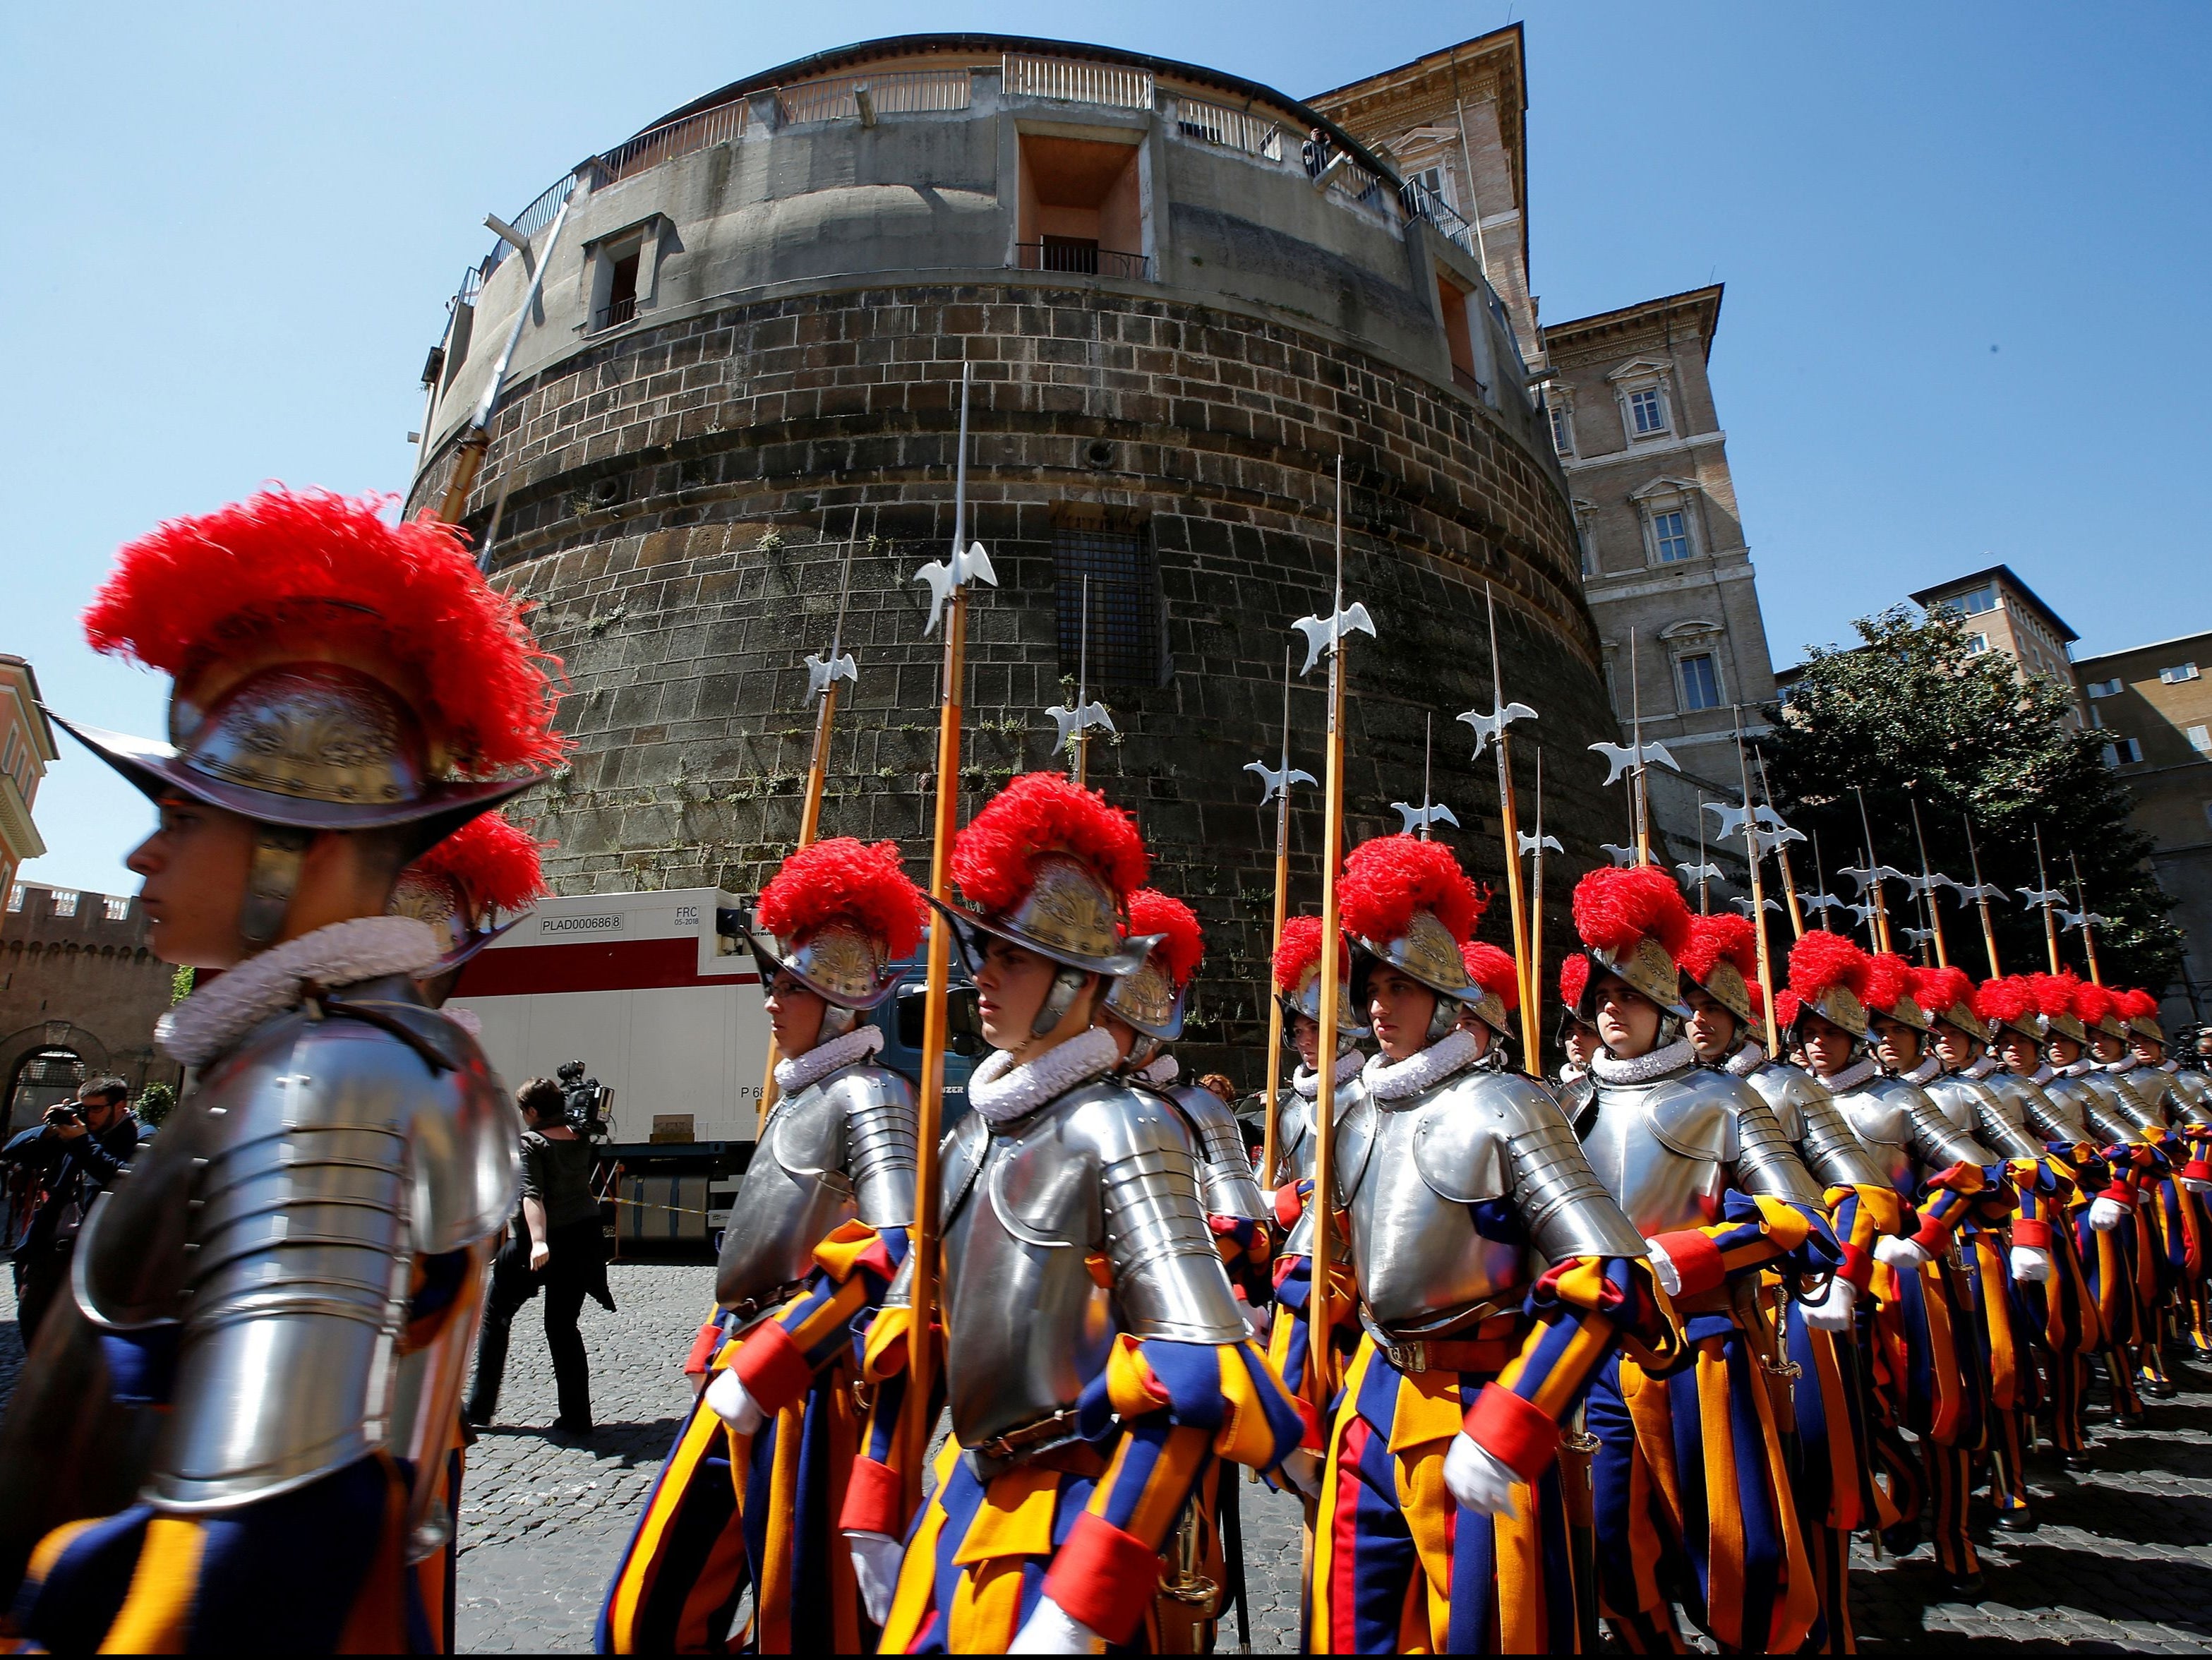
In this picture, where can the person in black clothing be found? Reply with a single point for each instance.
(60, 1167)
(554, 1244)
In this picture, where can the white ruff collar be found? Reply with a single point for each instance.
(1393, 1081)
(345, 953)
(1925, 1072)
(2041, 1075)
(858, 1045)
(1304, 1081)
(1676, 1056)
(1746, 1060)
(2081, 1068)
(1003, 1091)
(1568, 1073)
(2167, 1066)
(1851, 1077)
(1163, 1071)
(1982, 1067)
(2128, 1064)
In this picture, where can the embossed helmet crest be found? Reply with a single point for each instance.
(1634, 925)
(839, 917)
(1151, 998)
(1051, 866)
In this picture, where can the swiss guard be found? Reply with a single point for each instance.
(287, 1284)
(489, 867)
(1494, 1276)
(1095, 1358)
(753, 1490)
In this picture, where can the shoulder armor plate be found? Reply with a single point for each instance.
(1694, 1114)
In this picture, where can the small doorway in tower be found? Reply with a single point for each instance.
(1081, 207)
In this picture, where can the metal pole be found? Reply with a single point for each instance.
(1881, 909)
(1320, 1381)
(2043, 884)
(1758, 896)
(2088, 928)
(1270, 1146)
(1781, 848)
(1533, 995)
(1981, 897)
(1935, 910)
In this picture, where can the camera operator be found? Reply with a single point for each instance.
(554, 1243)
(65, 1163)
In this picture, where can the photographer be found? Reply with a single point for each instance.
(554, 1243)
(63, 1165)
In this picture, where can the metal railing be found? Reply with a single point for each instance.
(532, 219)
(908, 92)
(1082, 259)
(1422, 203)
(676, 138)
(1233, 129)
(1077, 81)
(1465, 381)
(618, 313)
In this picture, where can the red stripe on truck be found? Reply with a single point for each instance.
(613, 965)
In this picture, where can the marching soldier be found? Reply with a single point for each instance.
(459, 887)
(1578, 1042)
(1690, 1485)
(292, 1275)
(2186, 1100)
(1493, 1276)
(769, 1458)
(1095, 1358)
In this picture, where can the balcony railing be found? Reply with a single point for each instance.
(1076, 81)
(1082, 259)
(1233, 129)
(1424, 203)
(618, 313)
(677, 138)
(910, 92)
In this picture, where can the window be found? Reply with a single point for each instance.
(1080, 209)
(1563, 429)
(2104, 689)
(1646, 413)
(1701, 683)
(2123, 752)
(15, 896)
(1974, 602)
(1126, 647)
(2200, 739)
(118, 906)
(1585, 539)
(1977, 644)
(622, 289)
(65, 902)
(1671, 537)
(2176, 674)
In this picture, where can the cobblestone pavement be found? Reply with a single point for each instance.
(2122, 1560)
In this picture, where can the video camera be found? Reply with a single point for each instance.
(584, 1102)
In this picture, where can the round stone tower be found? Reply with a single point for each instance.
(1183, 296)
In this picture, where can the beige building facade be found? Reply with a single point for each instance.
(2154, 703)
(2003, 614)
(27, 749)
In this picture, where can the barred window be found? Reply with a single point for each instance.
(1125, 648)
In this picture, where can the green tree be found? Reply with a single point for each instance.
(181, 984)
(155, 1103)
(1912, 716)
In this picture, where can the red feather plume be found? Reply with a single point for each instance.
(1494, 971)
(2129, 1004)
(2092, 1002)
(2010, 998)
(410, 592)
(1712, 938)
(1822, 959)
(1299, 949)
(2053, 992)
(1152, 911)
(1786, 1005)
(1757, 999)
(1616, 907)
(1042, 812)
(493, 861)
(1574, 980)
(845, 877)
(1938, 989)
(1889, 977)
(1385, 881)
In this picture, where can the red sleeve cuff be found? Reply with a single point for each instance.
(772, 1367)
(2198, 1171)
(873, 1500)
(2120, 1194)
(1933, 1235)
(1857, 1268)
(1697, 1260)
(703, 1346)
(1521, 1436)
(1104, 1578)
(2035, 1236)
(1288, 1206)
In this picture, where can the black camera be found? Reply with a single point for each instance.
(584, 1102)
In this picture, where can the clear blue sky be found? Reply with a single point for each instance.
(1966, 249)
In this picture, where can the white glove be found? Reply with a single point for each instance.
(2196, 1184)
(729, 1400)
(1663, 1267)
(1901, 1256)
(876, 1566)
(1831, 1310)
(1478, 1478)
(1302, 1468)
(2031, 1265)
(1053, 1629)
(2105, 1214)
(1259, 1321)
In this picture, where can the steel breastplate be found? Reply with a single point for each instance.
(1413, 1168)
(1660, 1149)
(299, 1184)
(1294, 1137)
(795, 1191)
(2101, 1123)
(1977, 1111)
(1877, 1116)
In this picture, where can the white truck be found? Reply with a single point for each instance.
(658, 996)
